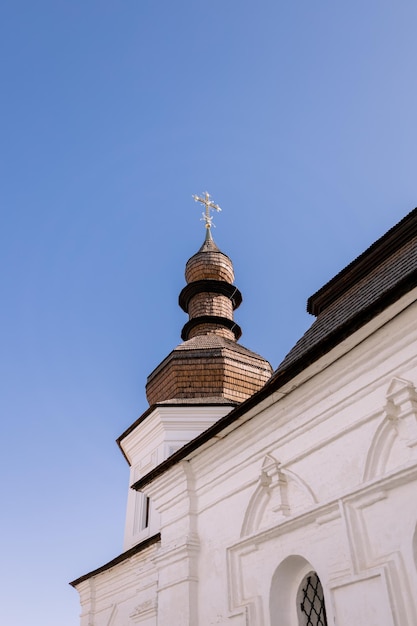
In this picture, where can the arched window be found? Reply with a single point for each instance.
(310, 602)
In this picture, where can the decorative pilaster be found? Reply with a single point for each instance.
(173, 495)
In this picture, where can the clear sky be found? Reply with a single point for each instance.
(299, 118)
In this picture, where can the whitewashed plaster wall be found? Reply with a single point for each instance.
(124, 594)
(323, 479)
(165, 430)
(321, 476)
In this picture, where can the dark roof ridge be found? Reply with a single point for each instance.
(380, 250)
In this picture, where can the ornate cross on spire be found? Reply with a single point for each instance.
(208, 204)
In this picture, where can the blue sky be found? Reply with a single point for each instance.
(298, 117)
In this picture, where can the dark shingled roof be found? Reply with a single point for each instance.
(398, 268)
(378, 252)
(361, 290)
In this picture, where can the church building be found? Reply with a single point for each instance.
(276, 498)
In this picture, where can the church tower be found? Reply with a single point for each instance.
(199, 382)
(209, 363)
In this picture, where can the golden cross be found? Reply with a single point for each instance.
(208, 204)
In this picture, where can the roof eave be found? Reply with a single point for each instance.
(379, 251)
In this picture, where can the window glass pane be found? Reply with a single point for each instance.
(311, 598)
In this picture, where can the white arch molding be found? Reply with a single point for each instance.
(274, 497)
(395, 440)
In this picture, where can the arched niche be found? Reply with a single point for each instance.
(395, 440)
(279, 494)
(289, 582)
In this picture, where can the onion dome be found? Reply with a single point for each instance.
(209, 263)
(210, 296)
(209, 366)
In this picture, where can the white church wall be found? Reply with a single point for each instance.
(160, 434)
(177, 560)
(320, 477)
(124, 594)
(293, 480)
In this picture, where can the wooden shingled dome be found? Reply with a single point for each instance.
(209, 363)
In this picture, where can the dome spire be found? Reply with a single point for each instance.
(210, 296)
(209, 205)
